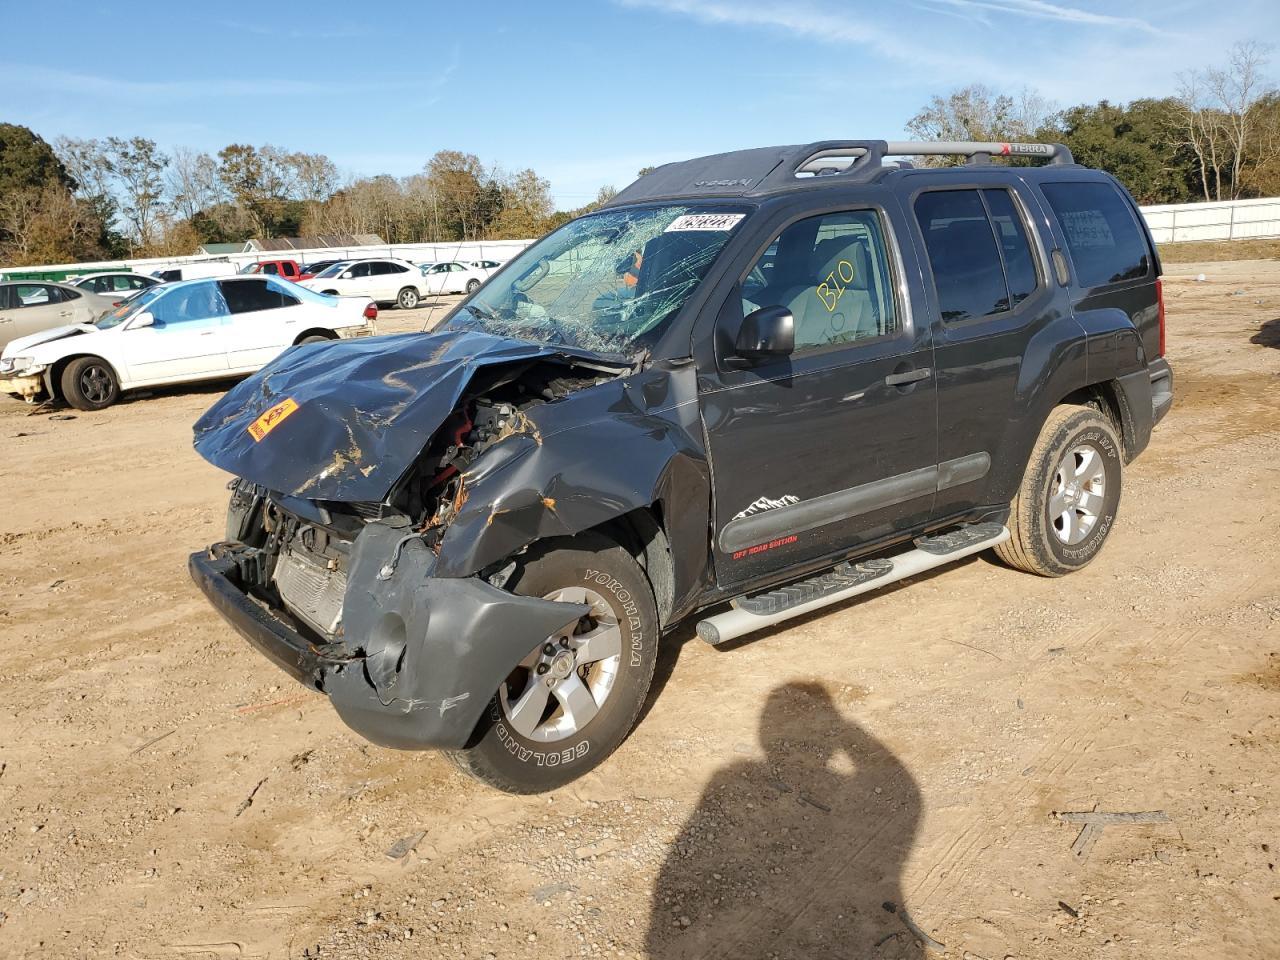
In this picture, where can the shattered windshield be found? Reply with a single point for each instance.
(607, 282)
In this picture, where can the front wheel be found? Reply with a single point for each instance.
(408, 298)
(1069, 495)
(574, 698)
(89, 383)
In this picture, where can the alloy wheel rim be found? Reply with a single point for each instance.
(95, 384)
(1077, 494)
(564, 682)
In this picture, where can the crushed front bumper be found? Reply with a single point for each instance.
(27, 387)
(421, 657)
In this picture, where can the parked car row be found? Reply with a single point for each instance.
(391, 280)
(170, 333)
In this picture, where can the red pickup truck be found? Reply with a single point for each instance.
(289, 269)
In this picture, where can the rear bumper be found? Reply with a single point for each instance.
(421, 658)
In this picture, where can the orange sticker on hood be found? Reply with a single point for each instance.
(272, 418)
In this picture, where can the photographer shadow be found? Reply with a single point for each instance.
(798, 854)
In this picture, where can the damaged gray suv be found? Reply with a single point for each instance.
(752, 385)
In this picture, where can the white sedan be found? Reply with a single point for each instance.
(382, 281)
(177, 333)
(121, 283)
(453, 276)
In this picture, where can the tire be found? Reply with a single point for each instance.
(545, 757)
(408, 298)
(89, 383)
(315, 338)
(330, 293)
(473, 286)
(1069, 496)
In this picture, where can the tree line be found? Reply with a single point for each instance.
(78, 199)
(1218, 138)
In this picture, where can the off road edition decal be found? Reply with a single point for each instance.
(272, 418)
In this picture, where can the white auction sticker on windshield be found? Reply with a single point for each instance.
(705, 221)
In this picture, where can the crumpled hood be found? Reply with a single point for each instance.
(16, 347)
(344, 420)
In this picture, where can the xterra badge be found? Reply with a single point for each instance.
(272, 418)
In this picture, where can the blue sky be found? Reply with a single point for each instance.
(583, 92)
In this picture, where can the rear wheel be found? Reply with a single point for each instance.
(89, 383)
(574, 698)
(1069, 496)
(315, 338)
(473, 286)
(408, 298)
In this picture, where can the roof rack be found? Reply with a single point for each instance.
(861, 157)
(765, 169)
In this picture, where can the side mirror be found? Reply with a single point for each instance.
(143, 319)
(767, 332)
(347, 275)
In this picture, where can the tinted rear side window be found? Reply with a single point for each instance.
(966, 265)
(247, 296)
(1011, 232)
(1104, 240)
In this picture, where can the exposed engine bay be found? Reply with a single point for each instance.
(304, 547)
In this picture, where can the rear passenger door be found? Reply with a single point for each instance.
(836, 445)
(992, 304)
(264, 320)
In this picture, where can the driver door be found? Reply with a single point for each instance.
(835, 445)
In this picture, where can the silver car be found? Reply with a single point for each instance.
(29, 306)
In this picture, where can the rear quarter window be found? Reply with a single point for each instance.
(1104, 240)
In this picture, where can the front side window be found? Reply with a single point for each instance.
(1104, 240)
(35, 295)
(249, 296)
(832, 273)
(332, 271)
(359, 270)
(609, 281)
(967, 270)
(188, 306)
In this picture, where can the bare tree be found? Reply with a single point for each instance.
(138, 167)
(1218, 117)
(976, 112)
(193, 182)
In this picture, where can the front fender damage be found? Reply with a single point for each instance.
(435, 649)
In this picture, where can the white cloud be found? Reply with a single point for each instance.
(1040, 10)
(824, 24)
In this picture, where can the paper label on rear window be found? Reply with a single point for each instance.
(705, 221)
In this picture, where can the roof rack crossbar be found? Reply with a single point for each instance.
(856, 158)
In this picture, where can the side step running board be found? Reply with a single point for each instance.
(748, 614)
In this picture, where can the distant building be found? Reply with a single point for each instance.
(221, 249)
(319, 241)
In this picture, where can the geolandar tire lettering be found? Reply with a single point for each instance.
(1070, 493)
(501, 755)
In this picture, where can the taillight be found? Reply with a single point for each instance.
(1160, 311)
(371, 313)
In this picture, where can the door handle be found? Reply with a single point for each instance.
(66, 313)
(908, 376)
(206, 333)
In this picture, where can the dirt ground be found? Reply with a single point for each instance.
(165, 792)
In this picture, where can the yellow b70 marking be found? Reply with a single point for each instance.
(831, 289)
(272, 418)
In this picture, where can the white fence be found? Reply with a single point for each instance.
(500, 250)
(1225, 220)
